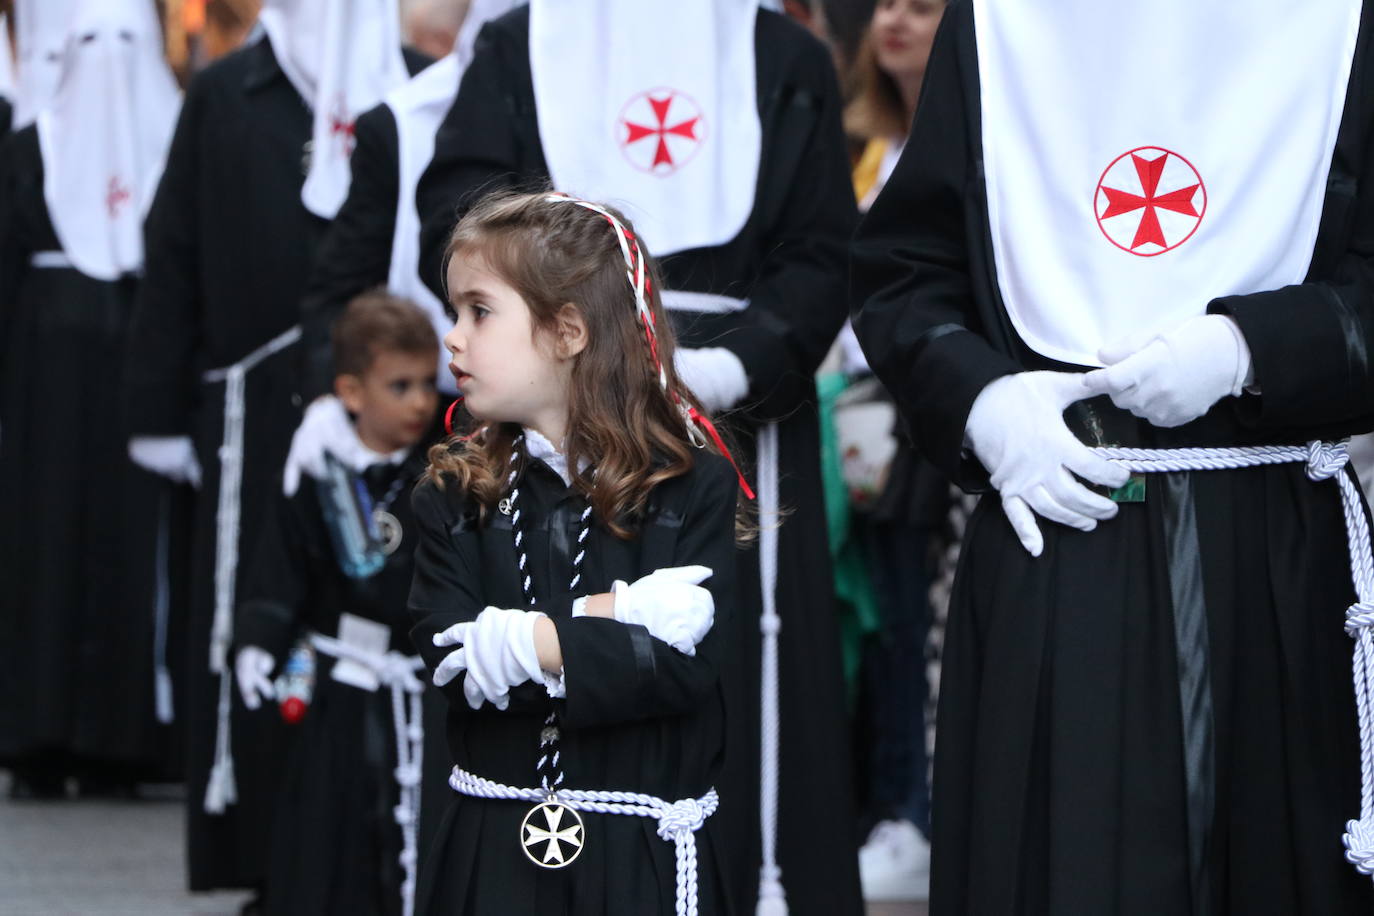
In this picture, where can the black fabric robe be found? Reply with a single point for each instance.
(355, 254)
(335, 842)
(788, 260)
(229, 250)
(80, 629)
(639, 715)
(1064, 782)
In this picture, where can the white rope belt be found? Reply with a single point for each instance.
(221, 789)
(397, 672)
(678, 821)
(1323, 460)
(772, 900)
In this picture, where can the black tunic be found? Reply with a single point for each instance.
(355, 254)
(788, 260)
(229, 249)
(335, 842)
(81, 629)
(1063, 781)
(639, 715)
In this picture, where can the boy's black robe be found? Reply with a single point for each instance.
(789, 262)
(1064, 781)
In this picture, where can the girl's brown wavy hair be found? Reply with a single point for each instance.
(621, 424)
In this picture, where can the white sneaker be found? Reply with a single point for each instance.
(894, 865)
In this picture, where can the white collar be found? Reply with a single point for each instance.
(538, 447)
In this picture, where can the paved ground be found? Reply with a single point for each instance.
(82, 858)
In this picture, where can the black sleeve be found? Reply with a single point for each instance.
(165, 332)
(480, 145)
(619, 673)
(911, 289)
(447, 588)
(797, 304)
(355, 253)
(277, 584)
(14, 253)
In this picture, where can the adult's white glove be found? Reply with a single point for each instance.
(496, 650)
(325, 427)
(1017, 430)
(253, 672)
(714, 374)
(173, 457)
(1174, 378)
(670, 603)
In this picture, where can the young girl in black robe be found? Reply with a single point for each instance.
(345, 837)
(586, 715)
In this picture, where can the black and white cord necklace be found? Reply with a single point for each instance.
(549, 815)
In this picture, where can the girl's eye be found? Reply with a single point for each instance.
(479, 312)
(399, 388)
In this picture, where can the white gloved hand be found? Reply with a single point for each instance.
(1016, 428)
(497, 651)
(325, 427)
(714, 375)
(1174, 378)
(253, 671)
(173, 457)
(671, 604)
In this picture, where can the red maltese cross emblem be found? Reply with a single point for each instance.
(1149, 201)
(116, 196)
(660, 130)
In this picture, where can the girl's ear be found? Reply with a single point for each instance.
(570, 331)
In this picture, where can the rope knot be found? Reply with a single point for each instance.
(680, 819)
(408, 776)
(404, 815)
(397, 669)
(1359, 845)
(1325, 459)
(770, 624)
(1359, 616)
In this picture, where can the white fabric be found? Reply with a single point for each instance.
(599, 67)
(1070, 88)
(1173, 378)
(497, 652)
(9, 79)
(342, 56)
(539, 448)
(173, 457)
(1016, 428)
(40, 31)
(419, 106)
(253, 673)
(670, 603)
(714, 374)
(681, 300)
(104, 137)
(327, 428)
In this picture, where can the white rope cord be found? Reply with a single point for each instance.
(678, 821)
(397, 672)
(221, 789)
(772, 899)
(1323, 460)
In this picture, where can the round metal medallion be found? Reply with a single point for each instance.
(390, 529)
(551, 835)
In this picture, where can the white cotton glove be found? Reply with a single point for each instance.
(253, 672)
(173, 457)
(325, 428)
(497, 652)
(714, 375)
(1174, 378)
(1016, 428)
(671, 604)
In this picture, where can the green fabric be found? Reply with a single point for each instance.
(859, 614)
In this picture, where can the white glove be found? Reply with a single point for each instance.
(324, 428)
(1174, 378)
(253, 672)
(714, 375)
(671, 604)
(173, 457)
(1016, 428)
(497, 653)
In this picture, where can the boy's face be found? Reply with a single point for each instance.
(394, 400)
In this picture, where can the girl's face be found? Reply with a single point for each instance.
(506, 371)
(902, 33)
